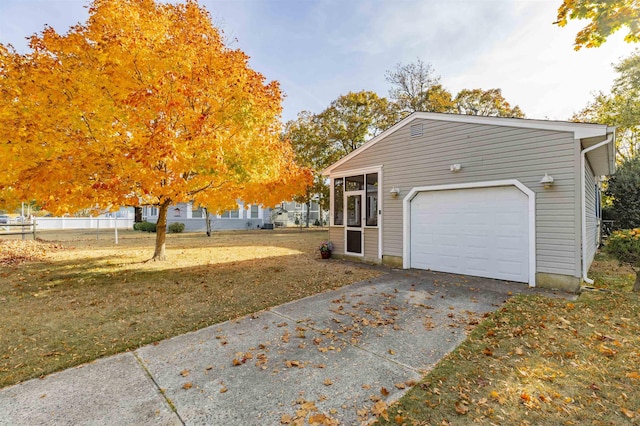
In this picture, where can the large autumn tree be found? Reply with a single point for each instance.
(143, 104)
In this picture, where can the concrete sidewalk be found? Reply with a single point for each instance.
(334, 354)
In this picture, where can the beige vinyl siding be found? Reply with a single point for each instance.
(591, 215)
(336, 236)
(371, 244)
(486, 153)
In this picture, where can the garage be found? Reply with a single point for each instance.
(482, 232)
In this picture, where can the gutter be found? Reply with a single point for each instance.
(583, 153)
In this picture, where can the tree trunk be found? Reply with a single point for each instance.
(161, 232)
(207, 221)
(636, 286)
(308, 211)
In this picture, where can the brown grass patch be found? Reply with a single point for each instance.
(94, 298)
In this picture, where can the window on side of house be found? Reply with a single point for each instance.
(338, 201)
(254, 211)
(372, 199)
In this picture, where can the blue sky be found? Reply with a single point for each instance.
(319, 50)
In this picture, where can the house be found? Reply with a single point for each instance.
(249, 216)
(288, 213)
(505, 198)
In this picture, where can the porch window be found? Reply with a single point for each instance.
(354, 183)
(372, 199)
(338, 202)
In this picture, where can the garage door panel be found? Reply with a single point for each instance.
(480, 231)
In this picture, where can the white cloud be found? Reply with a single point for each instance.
(538, 69)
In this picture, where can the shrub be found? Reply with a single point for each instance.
(176, 227)
(624, 245)
(144, 226)
(623, 189)
(316, 223)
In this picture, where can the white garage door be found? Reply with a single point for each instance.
(482, 232)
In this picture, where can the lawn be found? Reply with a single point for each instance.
(76, 296)
(541, 361)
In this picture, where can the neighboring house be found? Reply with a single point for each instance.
(505, 198)
(243, 217)
(287, 213)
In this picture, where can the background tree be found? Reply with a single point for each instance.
(485, 102)
(142, 105)
(415, 87)
(354, 118)
(606, 16)
(624, 190)
(319, 140)
(312, 150)
(620, 108)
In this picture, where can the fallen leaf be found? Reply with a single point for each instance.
(224, 389)
(400, 385)
(627, 412)
(327, 382)
(184, 373)
(286, 419)
(392, 352)
(187, 385)
(384, 391)
(380, 409)
(461, 408)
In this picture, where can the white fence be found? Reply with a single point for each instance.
(44, 223)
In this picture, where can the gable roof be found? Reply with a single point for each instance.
(580, 131)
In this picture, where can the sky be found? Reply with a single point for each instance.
(321, 49)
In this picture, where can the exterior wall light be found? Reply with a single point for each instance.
(546, 181)
(394, 192)
(455, 167)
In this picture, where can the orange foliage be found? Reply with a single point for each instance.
(143, 104)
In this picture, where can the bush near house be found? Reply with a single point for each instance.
(176, 228)
(145, 226)
(624, 245)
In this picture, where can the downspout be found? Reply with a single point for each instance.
(583, 153)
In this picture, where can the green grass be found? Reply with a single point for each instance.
(610, 274)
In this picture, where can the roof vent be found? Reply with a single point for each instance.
(416, 130)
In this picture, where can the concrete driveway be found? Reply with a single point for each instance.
(332, 356)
